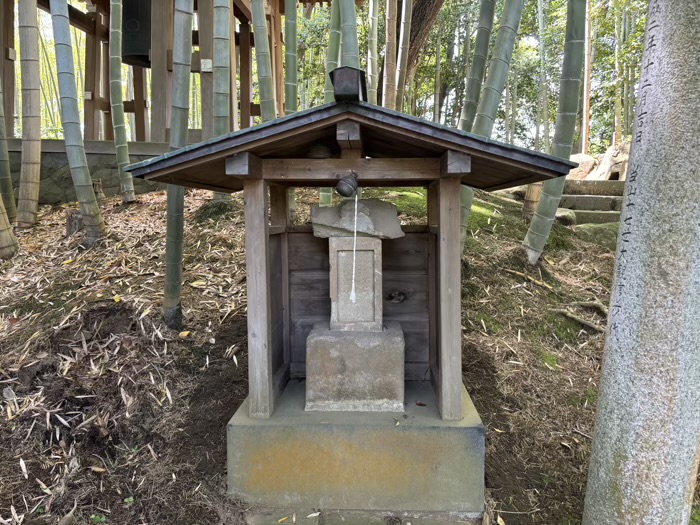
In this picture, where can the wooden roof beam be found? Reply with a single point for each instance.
(77, 18)
(349, 138)
(455, 164)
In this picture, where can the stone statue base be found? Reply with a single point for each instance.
(355, 371)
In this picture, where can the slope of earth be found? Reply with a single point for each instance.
(110, 417)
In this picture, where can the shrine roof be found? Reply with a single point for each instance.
(384, 134)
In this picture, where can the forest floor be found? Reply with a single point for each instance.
(107, 416)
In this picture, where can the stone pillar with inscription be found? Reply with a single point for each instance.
(646, 446)
(355, 361)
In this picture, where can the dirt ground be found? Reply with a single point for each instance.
(110, 417)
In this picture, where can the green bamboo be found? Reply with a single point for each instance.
(126, 182)
(222, 74)
(222, 67)
(348, 28)
(325, 195)
(182, 58)
(493, 90)
(264, 62)
(372, 54)
(498, 68)
(30, 170)
(478, 68)
(6, 191)
(562, 144)
(72, 130)
(404, 42)
(291, 90)
(389, 87)
(333, 53)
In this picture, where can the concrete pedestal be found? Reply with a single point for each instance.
(360, 462)
(355, 371)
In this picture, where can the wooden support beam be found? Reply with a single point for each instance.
(260, 374)
(433, 286)
(76, 17)
(449, 310)
(244, 165)
(241, 10)
(331, 170)
(140, 109)
(349, 139)
(246, 74)
(279, 206)
(456, 164)
(276, 52)
(93, 76)
(162, 16)
(7, 43)
(205, 17)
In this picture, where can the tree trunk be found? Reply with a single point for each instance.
(264, 62)
(7, 193)
(290, 71)
(372, 55)
(348, 28)
(182, 58)
(569, 90)
(30, 171)
(126, 182)
(478, 68)
(498, 68)
(406, 11)
(389, 88)
(333, 53)
(646, 446)
(72, 130)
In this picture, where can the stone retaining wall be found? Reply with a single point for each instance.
(56, 184)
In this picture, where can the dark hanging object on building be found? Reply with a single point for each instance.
(136, 32)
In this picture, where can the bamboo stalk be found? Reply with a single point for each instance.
(126, 182)
(498, 68)
(291, 90)
(478, 68)
(30, 171)
(372, 54)
(569, 87)
(8, 242)
(182, 57)
(264, 62)
(72, 130)
(348, 29)
(405, 40)
(389, 88)
(222, 73)
(333, 53)
(7, 192)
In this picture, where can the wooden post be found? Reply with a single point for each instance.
(162, 16)
(7, 26)
(433, 285)
(276, 53)
(246, 73)
(205, 15)
(143, 132)
(260, 379)
(449, 317)
(103, 88)
(93, 75)
(279, 220)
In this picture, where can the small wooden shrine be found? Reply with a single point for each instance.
(428, 458)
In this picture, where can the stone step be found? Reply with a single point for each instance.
(591, 202)
(594, 187)
(596, 217)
